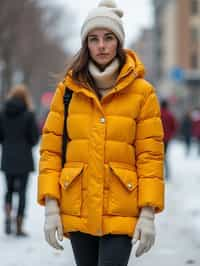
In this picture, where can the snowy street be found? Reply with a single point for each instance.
(178, 227)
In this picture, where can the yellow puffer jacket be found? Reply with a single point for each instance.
(114, 160)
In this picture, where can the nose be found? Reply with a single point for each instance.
(101, 44)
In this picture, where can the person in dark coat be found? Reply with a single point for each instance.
(196, 126)
(170, 127)
(18, 134)
(186, 130)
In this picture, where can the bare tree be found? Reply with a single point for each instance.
(29, 44)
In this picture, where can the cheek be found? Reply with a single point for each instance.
(92, 51)
(113, 49)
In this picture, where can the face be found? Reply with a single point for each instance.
(102, 45)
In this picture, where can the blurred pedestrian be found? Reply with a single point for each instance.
(170, 127)
(18, 134)
(186, 130)
(196, 126)
(107, 193)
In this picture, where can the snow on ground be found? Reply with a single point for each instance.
(178, 227)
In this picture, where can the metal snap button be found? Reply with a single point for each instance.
(102, 120)
(66, 183)
(129, 185)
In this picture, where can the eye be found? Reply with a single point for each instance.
(92, 39)
(109, 37)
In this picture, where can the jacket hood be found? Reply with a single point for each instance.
(132, 70)
(14, 106)
(133, 62)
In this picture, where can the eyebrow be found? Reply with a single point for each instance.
(95, 35)
(92, 35)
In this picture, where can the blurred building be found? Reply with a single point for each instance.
(177, 50)
(144, 46)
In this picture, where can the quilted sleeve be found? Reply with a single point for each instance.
(51, 150)
(150, 154)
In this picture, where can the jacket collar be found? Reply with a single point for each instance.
(132, 70)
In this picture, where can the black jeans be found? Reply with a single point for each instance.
(108, 250)
(16, 183)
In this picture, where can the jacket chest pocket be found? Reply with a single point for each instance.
(71, 189)
(123, 190)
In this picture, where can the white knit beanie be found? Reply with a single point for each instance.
(106, 15)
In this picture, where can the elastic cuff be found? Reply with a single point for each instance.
(147, 212)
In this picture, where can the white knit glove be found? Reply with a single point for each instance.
(144, 231)
(53, 225)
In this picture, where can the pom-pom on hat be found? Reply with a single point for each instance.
(106, 15)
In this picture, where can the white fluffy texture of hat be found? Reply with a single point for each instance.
(106, 15)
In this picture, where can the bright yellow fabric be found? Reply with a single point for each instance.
(114, 160)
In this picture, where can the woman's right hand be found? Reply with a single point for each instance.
(145, 231)
(53, 224)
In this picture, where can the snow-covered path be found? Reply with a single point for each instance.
(178, 227)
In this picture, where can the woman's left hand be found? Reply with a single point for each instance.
(144, 231)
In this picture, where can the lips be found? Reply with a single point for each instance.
(102, 55)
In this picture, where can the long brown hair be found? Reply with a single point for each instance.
(79, 65)
(20, 91)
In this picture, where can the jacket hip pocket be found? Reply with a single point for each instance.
(71, 188)
(123, 190)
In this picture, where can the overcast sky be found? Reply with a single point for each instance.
(137, 14)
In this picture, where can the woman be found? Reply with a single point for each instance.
(111, 185)
(18, 134)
